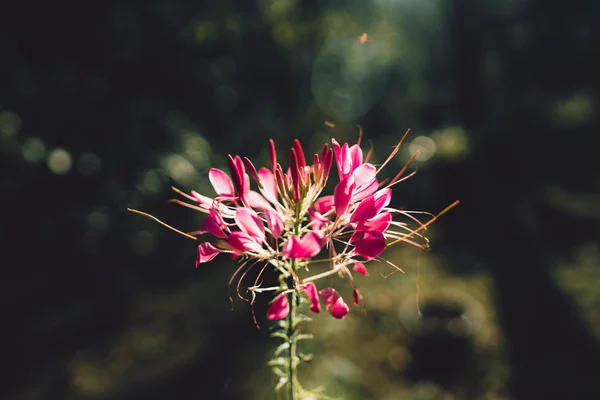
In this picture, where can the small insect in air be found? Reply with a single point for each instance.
(364, 38)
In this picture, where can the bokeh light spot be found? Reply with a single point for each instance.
(424, 145)
(452, 142)
(197, 149)
(34, 150)
(152, 181)
(179, 168)
(89, 164)
(98, 220)
(10, 123)
(59, 161)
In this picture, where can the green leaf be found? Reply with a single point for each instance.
(281, 335)
(304, 336)
(283, 346)
(281, 383)
(278, 361)
(279, 373)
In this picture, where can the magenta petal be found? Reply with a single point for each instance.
(274, 222)
(324, 204)
(365, 191)
(257, 201)
(356, 155)
(360, 268)
(221, 182)
(334, 303)
(382, 199)
(380, 222)
(269, 189)
(372, 245)
(292, 248)
(212, 226)
(204, 201)
(206, 252)
(305, 247)
(280, 308)
(311, 291)
(247, 220)
(364, 174)
(341, 196)
(365, 210)
(242, 242)
(312, 242)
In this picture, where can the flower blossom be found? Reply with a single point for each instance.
(284, 222)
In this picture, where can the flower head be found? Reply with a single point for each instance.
(286, 223)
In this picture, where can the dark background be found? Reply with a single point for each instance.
(105, 105)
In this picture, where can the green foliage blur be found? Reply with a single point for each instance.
(105, 106)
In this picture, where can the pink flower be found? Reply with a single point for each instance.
(206, 252)
(360, 268)
(334, 303)
(311, 291)
(304, 247)
(371, 245)
(280, 308)
(286, 218)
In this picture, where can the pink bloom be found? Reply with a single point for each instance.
(371, 245)
(342, 195)
(206, 252)
(334, 303)
(311, 291)
(305, 247)
(280, 308)
(242, 242)
(221, 183)
(275, 223)
(247, 220)
(360, 268)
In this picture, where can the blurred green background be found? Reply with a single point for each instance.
(105, 105)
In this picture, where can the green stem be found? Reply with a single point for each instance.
(292, 345)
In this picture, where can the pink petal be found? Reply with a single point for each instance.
(365, 210)
(241, 242)
(311, 291)
(371, 206)
(221, 182)
(380, 222)
(308, 246)
(360, 268)
(204, 201)
(356, 155)
(212, 226)
(324, 204)
(342, 195)
(372, 245)
(274, 222)
(269, 189)
(382, 199)
(334, 303)
(365, 191)
(316, 219)
(364, 174)
(247, 220)
(206, 252)
(280, 308)
(355, 296)
(256, 201)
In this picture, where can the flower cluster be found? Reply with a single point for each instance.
(287, 224)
